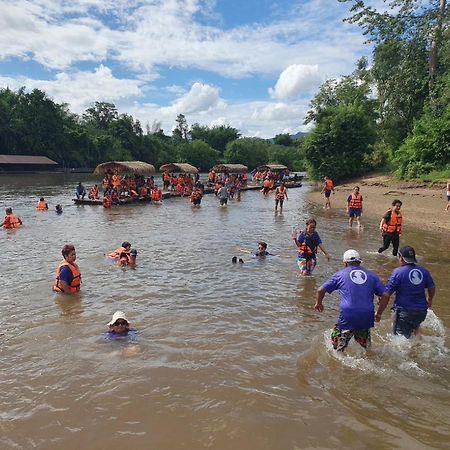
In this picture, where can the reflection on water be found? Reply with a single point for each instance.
(228, 355)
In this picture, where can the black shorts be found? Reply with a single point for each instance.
(327, 193)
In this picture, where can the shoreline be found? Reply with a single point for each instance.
(423, 203)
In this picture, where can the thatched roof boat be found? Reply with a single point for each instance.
(272, 167)
(230, 168)
(136, 167)
(178, 167)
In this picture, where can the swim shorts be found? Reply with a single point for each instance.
(306, 266)
(406, 321)
(341, 338)
(354, 212)
(327, 193)
(223, 200)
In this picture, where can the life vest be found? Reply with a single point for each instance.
(266, 183)
(116, 180)
(157, 195)
(395, 224)
(280, 193)
(76, 280)
(93, 193)
(356, 201)
(42, 206)
(116, 253)
(14, 221)
(143, 191)
(329, 186)
(308, 248)
(107, 202)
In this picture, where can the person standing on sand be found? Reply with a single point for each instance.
(357, 287)
(409, 282)
(391, 227)
(448, 196)
(354, 207)
(328, 188)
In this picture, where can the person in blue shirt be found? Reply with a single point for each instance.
(119, 327)
(357, 287)
(80, 191)
(410, 282)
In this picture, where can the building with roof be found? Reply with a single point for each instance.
(26, 163)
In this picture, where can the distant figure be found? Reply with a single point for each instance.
(280, 194)
(262, 250)
(58, 209)
(308, 242)
(68, 276)
(93, 193)
(80, 191)
(328, 188)
(357, 287)
(11, 220)
(42, 205)
(124, 248)
(448, 196)
(354, 207)
(391, 228)
(128, 259)
(157, 194)
(409, 282)
(223, 195)
(196, 196)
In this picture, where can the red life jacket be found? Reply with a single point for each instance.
(13, 221)
(395, 224)
(280, 193)
(356, 201)
(329, 186)
(76, 280)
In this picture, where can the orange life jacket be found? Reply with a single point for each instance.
(280, 193)
(116, 180)
(157, 195)
(107, 202)
(42, 206)
(329, 186)
(93, 193)
(395, 224)
(13, 222)
(116, 253)
(355, 201)
(305, 249)
(266, 183)
(76, 280)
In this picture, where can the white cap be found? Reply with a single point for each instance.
(351, 256)
(116, 316)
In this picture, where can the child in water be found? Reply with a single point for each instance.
(58, 209)
(261, 252)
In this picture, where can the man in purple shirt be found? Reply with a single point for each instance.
(357, 287)
(409, 282)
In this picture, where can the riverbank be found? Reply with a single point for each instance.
(423, 203)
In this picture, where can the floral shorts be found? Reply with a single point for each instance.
(341, 338)
(306, 266)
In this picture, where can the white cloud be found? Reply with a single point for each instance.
(296, 79)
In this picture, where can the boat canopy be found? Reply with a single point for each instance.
(272, 167)
(136, 167)
(178, 167)
(230, 168)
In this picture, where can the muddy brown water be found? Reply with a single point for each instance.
(227, 356)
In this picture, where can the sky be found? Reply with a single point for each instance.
(250, 64)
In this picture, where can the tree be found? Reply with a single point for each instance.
(101, 115)
(180, 133)
(251, 152)
(217, 137)
(283, 139)
(340, 142)
(199, 154)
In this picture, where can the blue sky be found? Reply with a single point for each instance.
(251, 64)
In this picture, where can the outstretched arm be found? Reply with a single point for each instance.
(324, 251)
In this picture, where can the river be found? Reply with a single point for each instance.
(227, 355)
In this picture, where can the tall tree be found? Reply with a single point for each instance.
(180, 133)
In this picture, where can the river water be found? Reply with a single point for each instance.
(227, 356)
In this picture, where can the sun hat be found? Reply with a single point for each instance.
(116, 316)
(408, 254)
(351, 256)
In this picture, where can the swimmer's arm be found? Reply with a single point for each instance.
(324, 251)
(320, 295)
(244, 250)
(431, 293)
(384, 300)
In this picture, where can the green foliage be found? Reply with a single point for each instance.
(283, 139)
(216, 137)
(251, 152)
(181, 133)
(199, 154)
(427, 149)
(340, 142)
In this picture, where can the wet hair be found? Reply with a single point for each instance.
(263, 245)
(310, 221)
(356, 187)
(397, 201)
(8, 210)
(126, 244)
(133, 252)
(41, 199)
(67, 249)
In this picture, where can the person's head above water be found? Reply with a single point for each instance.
(262, 246)
(119, 323)
(126, 245)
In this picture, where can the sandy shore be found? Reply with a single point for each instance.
(423, 204)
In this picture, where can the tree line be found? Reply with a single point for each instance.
(393, 114)
(31, 123)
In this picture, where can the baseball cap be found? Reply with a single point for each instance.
(408, 254)
(351, 256)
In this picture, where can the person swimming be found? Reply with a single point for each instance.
(119, 327)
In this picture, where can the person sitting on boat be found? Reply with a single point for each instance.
(116, 179)
(143, 192)
(187, 190)
(58, 209)
(128, 258)
(124, 248)
(93, 193)
(68, 275)
(157, 194)
(42, 205)
(80, 191)
(11, 220)
(114, 196)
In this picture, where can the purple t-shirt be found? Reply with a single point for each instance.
(65, 274)
(409, 283)
(357, 287)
